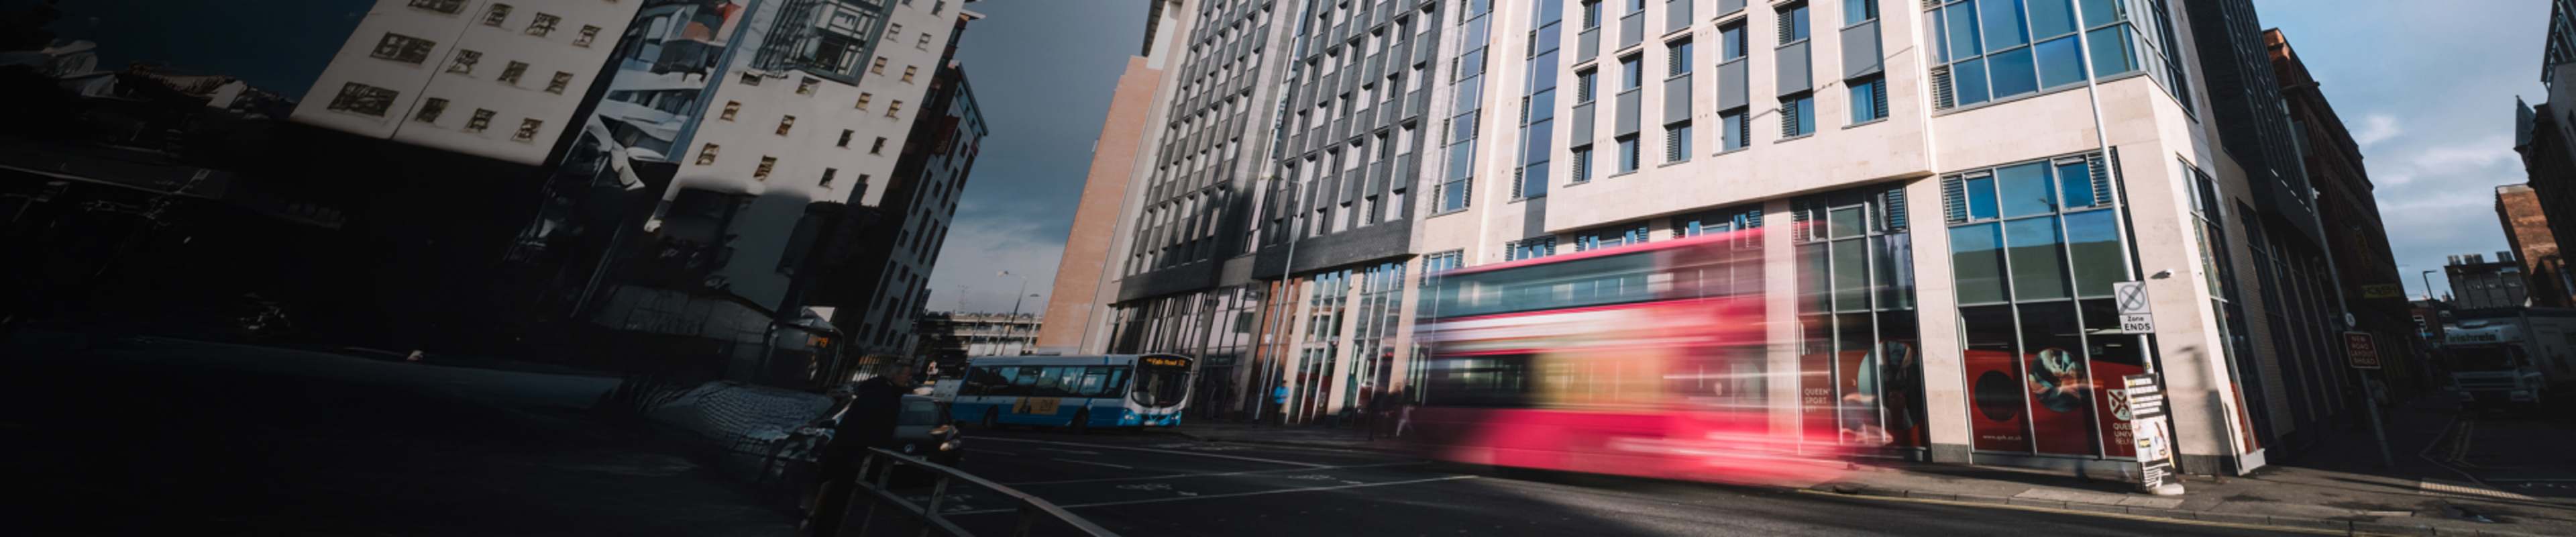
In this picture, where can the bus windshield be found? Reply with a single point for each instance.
(1161, 381)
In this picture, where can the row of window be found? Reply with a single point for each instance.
(363, 99)
(413, 50)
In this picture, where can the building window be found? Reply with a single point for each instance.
(827, 177)
(893, 30)
(908, 70)
(1530, 248)
(498, 14)
(879, 147)
(1583, 85)
(1611, 237)
(892, 107)
(1591, 14)
(1854, 296)
(750, 79)
(1677, 142)
(731, 108)
(1731, 42)
(527, 130)
(785, 123)
(1628, 154)
(806, 86)
(482, 120)
(707, 154)
(1734, 130)
(430, 108)
(1582, 165)
(560, 81)
(1793, 23)
(363, 99)
(510, 73)
(863, 100)
(845, 137)
(766, 163)
(404, 48)
(543, 24)
(1868, 99)
(1677, 58)
(1797, 115)
(1860, 11)
(450, 7)
(924, 44)
(1632, 72)
(463, 63)
(878, 67)
(2036, 253)
(1982, 51)
(587, 34)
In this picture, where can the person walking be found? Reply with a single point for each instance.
(868, 421)
(1279, 400)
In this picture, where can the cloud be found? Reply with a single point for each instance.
(2483, 153)
(2376, 128)
(978, 250)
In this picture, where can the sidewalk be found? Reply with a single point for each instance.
(2406, 501)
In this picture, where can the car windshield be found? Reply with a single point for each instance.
(919, 412)
(2482, 358)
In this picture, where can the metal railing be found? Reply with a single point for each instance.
(1031, 508)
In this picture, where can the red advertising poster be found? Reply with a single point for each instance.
(2113, 405)
(1995, 390)
(2061, 402)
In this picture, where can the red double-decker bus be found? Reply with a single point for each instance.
(1646, 360)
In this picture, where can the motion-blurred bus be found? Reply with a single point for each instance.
(1074, 392)
(1645, 360)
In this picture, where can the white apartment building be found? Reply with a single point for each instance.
(496, 79)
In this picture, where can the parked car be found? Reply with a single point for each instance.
(923, 430)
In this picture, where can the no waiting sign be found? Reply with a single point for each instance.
(2360, 351)
(2135, 315)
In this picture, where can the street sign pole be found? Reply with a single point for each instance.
(2361, 352)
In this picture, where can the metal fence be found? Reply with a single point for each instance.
(881, 465)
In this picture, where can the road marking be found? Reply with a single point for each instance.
(2291, 529)
(1210, 474)
(993, 451)
(1229, 495)
(1151, 450)
(1118, 466)
(1073, 451)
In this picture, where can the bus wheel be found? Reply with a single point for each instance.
(1081, 421)
(991, 421)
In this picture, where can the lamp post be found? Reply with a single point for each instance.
(2428, 284)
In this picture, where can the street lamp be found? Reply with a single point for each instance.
(2428, 284)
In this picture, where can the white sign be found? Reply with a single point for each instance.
(2137, 323)
(2131, 296)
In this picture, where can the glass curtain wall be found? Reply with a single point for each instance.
(1538, 106)
(1460, 129)
(1987, 50)
(1860, 364)
(1327, 294)
(2035, 247)
(1381, 301)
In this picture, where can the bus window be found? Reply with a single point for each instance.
(1093, 378)
(1117, 383)
(1490, 381)
(1024, 382)
(984, 381)
(1050, 383)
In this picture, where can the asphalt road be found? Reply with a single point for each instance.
(165, 437)
(1159, 484)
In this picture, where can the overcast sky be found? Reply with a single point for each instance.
(2427, 88)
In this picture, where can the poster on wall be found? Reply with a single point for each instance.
(2061, 402)
(2153, 446)
(1995, 389)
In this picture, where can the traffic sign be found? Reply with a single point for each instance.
(2360, 351)
(2135, 312)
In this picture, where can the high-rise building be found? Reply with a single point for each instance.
(762, 182)
(1114, 155)
(498, 80)
(2477, 283)
(2545, 136)
(1961, 182)
(2526, 229)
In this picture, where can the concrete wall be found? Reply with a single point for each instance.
(480, 89)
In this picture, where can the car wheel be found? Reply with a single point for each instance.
(1081, 422)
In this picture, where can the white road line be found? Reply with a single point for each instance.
(1231, 495)
(1150, 450)
(993, 451)
(1073, 451)
(1211, 474)
(1118, 466)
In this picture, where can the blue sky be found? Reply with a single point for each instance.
(2426, 87)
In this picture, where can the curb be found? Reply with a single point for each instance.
(2347, 526)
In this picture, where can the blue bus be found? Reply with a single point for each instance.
(1074, 392)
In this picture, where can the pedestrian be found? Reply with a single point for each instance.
(1279, 400)
(867, 421)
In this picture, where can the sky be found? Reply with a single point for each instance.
(2427, 88)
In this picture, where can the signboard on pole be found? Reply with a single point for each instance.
(2145, 411)
(2383, 290)
(2135, 315)
(2360, 351)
